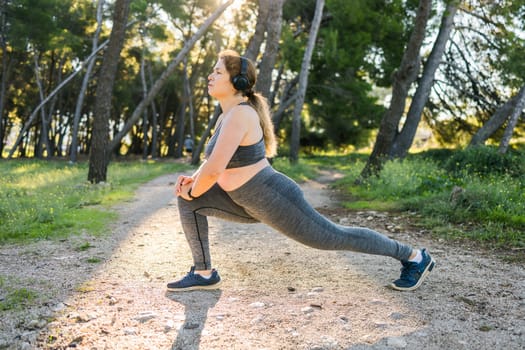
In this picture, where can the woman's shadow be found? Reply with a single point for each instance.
(196, 306)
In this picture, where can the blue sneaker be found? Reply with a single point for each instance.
(193, 281)
(413, 274)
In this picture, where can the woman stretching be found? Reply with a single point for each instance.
(236, 182)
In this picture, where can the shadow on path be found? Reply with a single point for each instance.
(196, 306)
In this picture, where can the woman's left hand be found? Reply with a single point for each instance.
(184, 189)
(181, 182)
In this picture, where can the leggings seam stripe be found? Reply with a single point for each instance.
(200, 240)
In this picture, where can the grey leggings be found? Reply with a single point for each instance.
(276, 200)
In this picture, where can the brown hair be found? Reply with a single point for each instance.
(256, 100)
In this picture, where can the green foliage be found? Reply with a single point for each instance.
(45, 199)
(485, 161)
(404, 179)
(340, 107)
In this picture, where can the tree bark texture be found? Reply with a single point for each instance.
(273, 35)
(73, 152)
(254, 45)
(403, 141)
(100, 152)
(145, 120)
(44, 132)
(403, 78)
(5, 71)
(513, 121)
(494, 123)
(303, 82)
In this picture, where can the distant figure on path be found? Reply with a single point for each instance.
(188, 145)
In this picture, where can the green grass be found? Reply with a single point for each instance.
(52, 199)
(490, 208)
(15, 299)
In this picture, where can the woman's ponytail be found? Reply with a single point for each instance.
(260, 104)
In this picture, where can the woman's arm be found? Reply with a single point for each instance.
(236, 126)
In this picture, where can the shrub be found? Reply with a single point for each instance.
(484, 161)
(439, 155)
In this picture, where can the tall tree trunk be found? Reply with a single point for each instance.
(303, 82)
(403, 141)
(513, 120)
(100, 152)
(257, 38)
(273, 35)
(73, 151)
(54, 150)
(191, 111)
(5, 72)
(154, 122)
(165, 75)
(181, 115)
(403, 78)
(494, 123)
(145, 125)
(44, 132)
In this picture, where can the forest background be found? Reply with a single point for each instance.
(92, 82)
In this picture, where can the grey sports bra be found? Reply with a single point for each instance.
(243, 156)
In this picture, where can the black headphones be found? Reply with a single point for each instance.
(241, 81)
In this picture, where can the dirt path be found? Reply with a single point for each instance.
(276, 294)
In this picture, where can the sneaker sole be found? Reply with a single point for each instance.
(424, 275)
(207, 287)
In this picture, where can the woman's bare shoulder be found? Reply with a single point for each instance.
(242, 114)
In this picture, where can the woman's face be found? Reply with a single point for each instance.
(219, 83)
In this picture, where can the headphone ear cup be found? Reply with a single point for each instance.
(241, 81)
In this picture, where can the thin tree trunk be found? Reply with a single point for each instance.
(73, 152)
(191, 112)
(154, 122)
(513, 120)
(303, 82)
(5, 72)
(403, 78)
(181, 115)
(44, 133)
(403, 141)
(165, 75)
(100, 152)
(54, 150)
(145, 125)
(494, 123)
